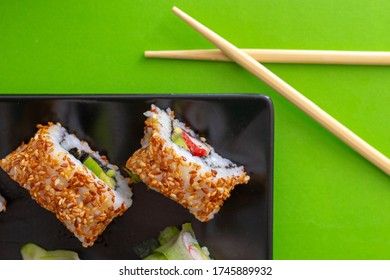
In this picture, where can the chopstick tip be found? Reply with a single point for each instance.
(148, 54)
(177, 11)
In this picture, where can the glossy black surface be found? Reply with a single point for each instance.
(240, 127)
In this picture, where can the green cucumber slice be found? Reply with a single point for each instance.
(177, 138)
(110, 173)
(156, 256)
(134, 177)
(31, 251)
(167, 234)
(92, 165)
(179, 245)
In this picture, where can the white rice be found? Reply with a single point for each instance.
(3, 202)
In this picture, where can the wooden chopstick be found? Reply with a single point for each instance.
(287, 91)
(283, 56)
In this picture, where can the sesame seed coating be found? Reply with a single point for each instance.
(81, 201)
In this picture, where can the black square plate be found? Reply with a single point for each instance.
(240, 127)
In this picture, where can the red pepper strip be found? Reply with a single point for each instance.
(194, 149)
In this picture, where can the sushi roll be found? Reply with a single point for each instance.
(3, 203)
(65, 176)
(179, 164)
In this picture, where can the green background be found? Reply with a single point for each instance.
(329, 202)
